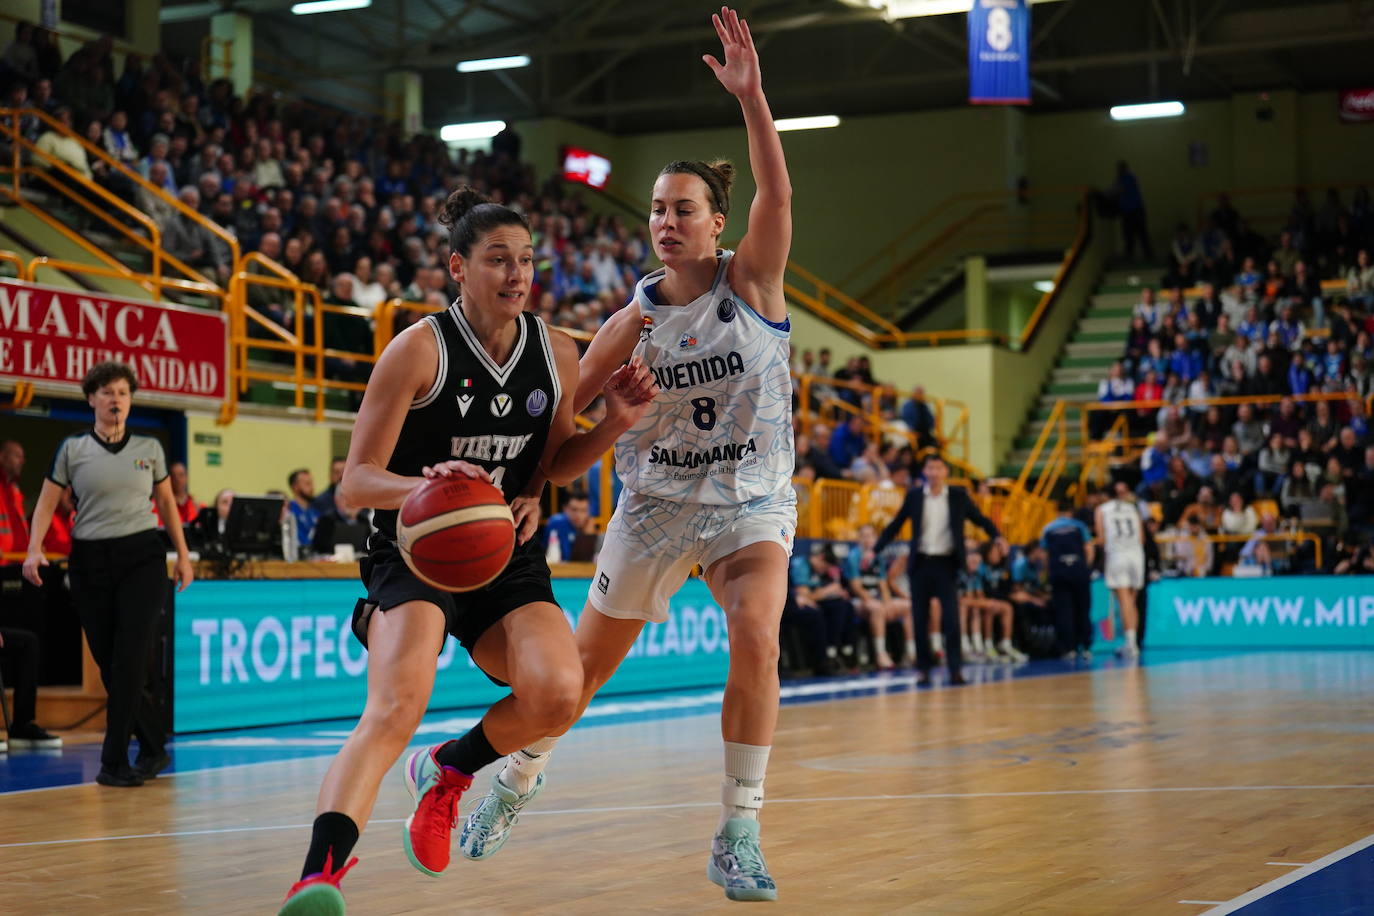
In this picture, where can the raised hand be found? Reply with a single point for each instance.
(740, 72)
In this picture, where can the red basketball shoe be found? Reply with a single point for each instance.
(436, 790)
(317, 895)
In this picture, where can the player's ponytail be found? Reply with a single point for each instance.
(718, 175)
(469, 215)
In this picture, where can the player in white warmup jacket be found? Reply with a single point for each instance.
(707, 471)
(1121, 531)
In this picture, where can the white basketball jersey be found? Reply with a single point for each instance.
(1121, 527)
(720, 431)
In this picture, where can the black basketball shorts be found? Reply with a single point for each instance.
(468, 615)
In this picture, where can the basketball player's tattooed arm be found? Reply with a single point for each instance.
(568, 454)
(757, 269)
(404, 372)
(610, 348)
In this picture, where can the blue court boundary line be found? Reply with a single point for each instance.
(1276, 897)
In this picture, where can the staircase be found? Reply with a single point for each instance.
(1097, 341)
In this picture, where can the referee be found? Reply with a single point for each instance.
(118, 565)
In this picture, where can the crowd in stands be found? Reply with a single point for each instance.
(345, 202)
(1242, 317)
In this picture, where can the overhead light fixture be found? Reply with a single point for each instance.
(908, 9)
(494, 63)
(328, 6)
(810, 123)
(1148, 110)
(473, 130)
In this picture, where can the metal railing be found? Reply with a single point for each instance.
(951, 416)
(1295, 537)
(10, 127)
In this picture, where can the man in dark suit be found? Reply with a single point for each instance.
(937, 513)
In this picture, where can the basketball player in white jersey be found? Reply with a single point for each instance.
(1121, 532)
(707, 471)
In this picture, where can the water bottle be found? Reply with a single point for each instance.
(290, 550)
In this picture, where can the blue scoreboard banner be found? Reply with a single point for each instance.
(999, 52)
(268, 652)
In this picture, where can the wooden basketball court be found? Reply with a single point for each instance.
(1164, 788)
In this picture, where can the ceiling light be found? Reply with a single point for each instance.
(1148, 110)
(907, 9)
(493, 63)
(1044, 286)
(473, 130)
(810, 123)
(328, 6)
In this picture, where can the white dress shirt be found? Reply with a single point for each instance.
(936, 539)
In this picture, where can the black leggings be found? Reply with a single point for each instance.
(118, 589)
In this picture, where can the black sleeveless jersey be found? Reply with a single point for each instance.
(496, 417)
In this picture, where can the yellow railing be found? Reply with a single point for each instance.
(862, 322)
(951, 416)
(214, 50)
(21, 271)
(1296, 537)
(9, 127)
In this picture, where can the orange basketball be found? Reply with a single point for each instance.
(456, 533)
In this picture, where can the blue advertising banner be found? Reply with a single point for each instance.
(1282, 612)
(268, 652)
(999, 52)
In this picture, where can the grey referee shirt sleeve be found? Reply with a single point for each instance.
(111, 484)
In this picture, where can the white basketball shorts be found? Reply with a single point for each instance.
(1125, 570)
(652, 544)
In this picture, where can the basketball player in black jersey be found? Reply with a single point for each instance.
(482, 389)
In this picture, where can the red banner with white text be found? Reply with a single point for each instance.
(52, 337)
(1357, 105)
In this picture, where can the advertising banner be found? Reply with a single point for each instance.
(999, 52)
(1281, 612)
(1356, 105)
(267, 652)
(51, 337)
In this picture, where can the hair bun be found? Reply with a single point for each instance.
(725, 169)
(459, 203)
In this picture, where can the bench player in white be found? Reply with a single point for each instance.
(707, 471)
(1121, 532)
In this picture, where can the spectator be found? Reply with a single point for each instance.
(343, 524)
(187, 507)
(58, 540)
(14, 525)
(20, 60)
(1206, 511)
(1359, 280)
(1248, 431)
(919, 418)
(1272, 464)
(302, 508)
(1238, 518)
(564, 527)
(63, 147)
(1191, 551)
(20, 650)
(324, 502)
(1298, 490)
(368, 293)
(866, 575)
(1130, 205)
(848, 442)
